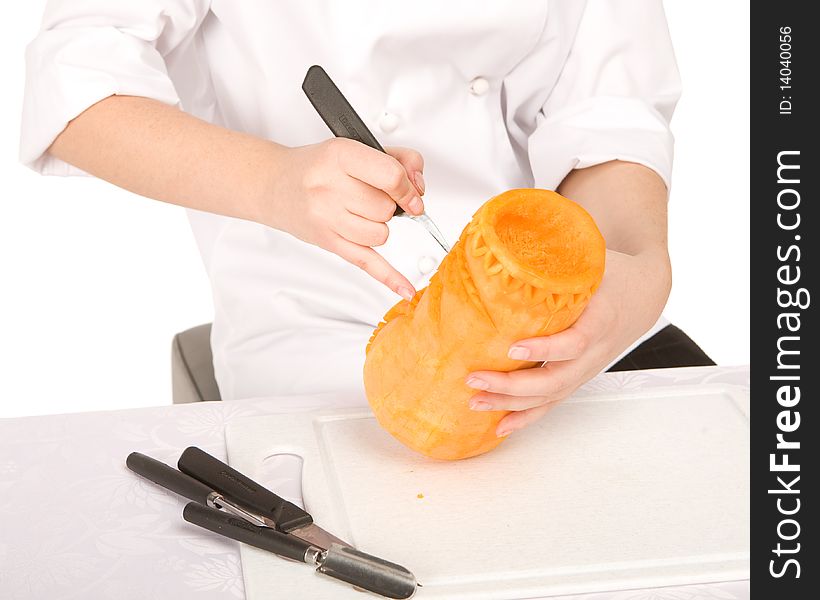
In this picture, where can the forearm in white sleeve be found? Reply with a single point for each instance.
(87, 51)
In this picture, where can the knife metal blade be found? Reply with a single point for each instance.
(431, 228)
(340, 562)
(317, 536)
(242, 491)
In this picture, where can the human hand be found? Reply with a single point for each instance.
(339, 195)
(628, 302)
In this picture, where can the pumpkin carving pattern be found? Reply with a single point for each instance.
(526, 265)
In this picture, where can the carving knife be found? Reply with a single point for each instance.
(343, 121)
(340, 562)
(241, 491)
(215, 512)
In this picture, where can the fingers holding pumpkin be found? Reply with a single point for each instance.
(487, 401)
(568, 344)
(551, 380)
(519, 420)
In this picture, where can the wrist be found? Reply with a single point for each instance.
(265, 193)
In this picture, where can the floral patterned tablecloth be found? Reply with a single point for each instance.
(75, 523)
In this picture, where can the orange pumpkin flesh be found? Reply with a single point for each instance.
(525, 266)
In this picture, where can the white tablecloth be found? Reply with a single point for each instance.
(75, 523)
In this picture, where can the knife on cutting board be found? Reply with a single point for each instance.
(231, 504)
(343, 121)
(339, 562)
(243, 492)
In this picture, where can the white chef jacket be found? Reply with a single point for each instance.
(495, 95)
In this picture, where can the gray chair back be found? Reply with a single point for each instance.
(192, 366)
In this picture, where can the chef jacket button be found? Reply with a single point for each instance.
(388, 122)
(479, 86)
(426, 264)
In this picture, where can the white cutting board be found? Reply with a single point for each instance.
(607, 492)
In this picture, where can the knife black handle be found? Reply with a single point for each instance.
(336, 111)
(168, 477)
(265, 538)
(242, 490)
(334, 108)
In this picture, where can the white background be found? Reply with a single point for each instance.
(95, 281)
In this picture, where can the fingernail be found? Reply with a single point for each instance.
(419, 179)
(416, 206)
(405, 293)
(519, 353)
(503, 432)
(477, 384)
(479, 405)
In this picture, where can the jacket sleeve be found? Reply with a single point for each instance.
(615, 95)
(88, 50)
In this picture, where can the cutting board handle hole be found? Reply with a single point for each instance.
(282, 474)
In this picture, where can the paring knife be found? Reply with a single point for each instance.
(242, 521)
(241, 491)
(184, 485)
(343, 121)
(340, 562)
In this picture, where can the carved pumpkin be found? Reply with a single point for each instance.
(525, 266)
